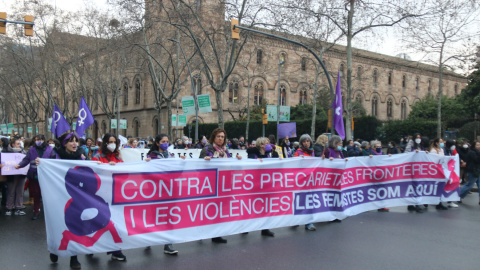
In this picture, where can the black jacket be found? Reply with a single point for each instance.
(254, 152)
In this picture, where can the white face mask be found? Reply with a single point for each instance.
(21, 144)
(465, 146)
(418, 141)
(17, 149)
(52, 145)
(452, 148)
(111, 147)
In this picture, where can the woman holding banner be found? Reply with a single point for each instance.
(216, 148)
(159, 150)
(68, 150)
(262, 150)
(110, 153)
(15, 183)
(286, 149)
(305, 149)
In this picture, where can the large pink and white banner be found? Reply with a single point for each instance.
(92, 208)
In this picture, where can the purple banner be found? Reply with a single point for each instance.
(9, 160)
(287, 129)
(328, 200)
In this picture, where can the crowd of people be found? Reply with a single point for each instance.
(217, 145)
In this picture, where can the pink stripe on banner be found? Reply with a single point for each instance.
(381, 174)
(274, 180)
(168, 186)
(140, 219)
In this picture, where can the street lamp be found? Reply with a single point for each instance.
(280, 63)
(192, 86)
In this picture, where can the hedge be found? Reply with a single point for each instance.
(365, 128)
(468, 131)
(394, 130)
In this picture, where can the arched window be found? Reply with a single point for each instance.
(374, 105)
(389, 78)
(404, 81)
(304, 64)
(358, 99)
(389, 108)
(259, 57)
(283, 95)
(359, 73)
(233, 92)
(429, 89)
(341, 70)
(258, 93)
(403, 115)
(417, 83)
(303, 96)
(125, 130)
(104, 127)
(125, 93)
(197, 84)
(136, 128)
(375, 74)
(137, 91)
(455, 89)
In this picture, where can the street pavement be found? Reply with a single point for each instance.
(436, 239)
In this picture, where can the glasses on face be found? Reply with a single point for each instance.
(220, 136)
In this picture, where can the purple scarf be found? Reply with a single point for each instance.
(333, 153)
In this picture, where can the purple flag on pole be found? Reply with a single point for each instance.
(337, 107)
(85, 118)
(59, 123)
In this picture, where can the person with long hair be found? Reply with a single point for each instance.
(110, 153)
(334, 149)
(320, 145)
(216, 148)
(68, 150)
(159, 150)
(286, 147)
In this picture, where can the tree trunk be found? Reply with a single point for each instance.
(440, 88)
(169, 120)
(348, 124)
(218, 97)
(314, 105)
(248, 107)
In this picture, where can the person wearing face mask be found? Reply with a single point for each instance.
(392, 150)
(202, 143)
(15, 183)
(241, 143)
(109, 153)
(334, 149)
(216, 148)
(305, 149)
(159, 150)
(262, 150)
(415, 146)
(286, 149)
(352, 149)
(473, 170)
(463, 149)
(39, 149)
(377, 148)
(437, 148)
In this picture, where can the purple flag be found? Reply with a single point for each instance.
(85, 118)
(59, 123)
(287, 129)
(337, 107)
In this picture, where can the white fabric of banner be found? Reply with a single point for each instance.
(98, 208)
(135, 154)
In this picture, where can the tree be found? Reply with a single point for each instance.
(439, 34)
(470, 96)
(353, 18)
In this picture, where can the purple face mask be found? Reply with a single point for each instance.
(164, 146)
(288, 143)
(268, 148)
(229, 145)
(38, 143)
(204, 141)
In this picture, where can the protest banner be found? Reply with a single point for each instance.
(9, 160)
(99, 208)
(137, 154)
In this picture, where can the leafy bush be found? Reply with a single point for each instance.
(469, 130)
(393, 130)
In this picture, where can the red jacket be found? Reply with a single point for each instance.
(107, 158)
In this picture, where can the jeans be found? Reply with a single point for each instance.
(471, 180)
